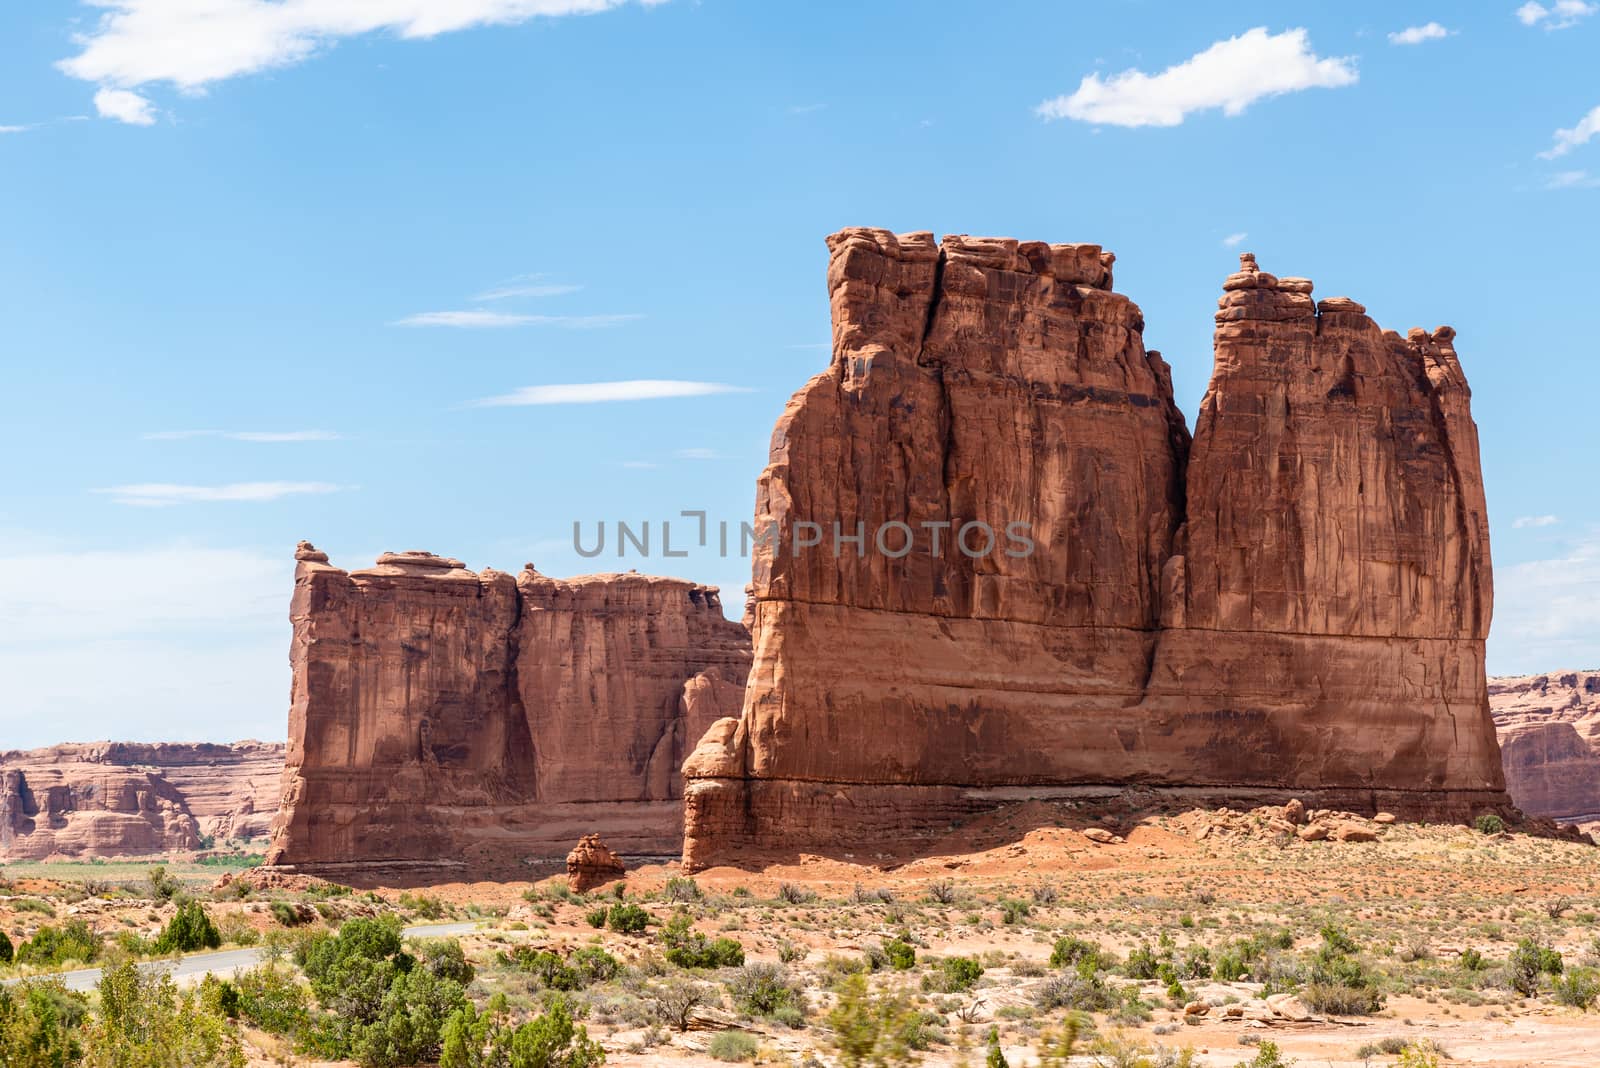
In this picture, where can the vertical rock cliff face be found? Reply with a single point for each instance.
(444, 717)
(109, 799)
(1297, 600)
(1549, 727)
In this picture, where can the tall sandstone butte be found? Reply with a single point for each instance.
(1296, 600)
(444, 717)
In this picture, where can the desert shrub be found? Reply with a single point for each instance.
(39, 1025)
(1337, 982)
(733, 1046)
(162, 887)
(1267, 1056)
(188, 930)
(429, 908)
(682, 889)
(483, 1040)
(1489, 823)
(872, 1029)
(444, 958)
(53, 946)
(33, 904)
(791, 894)
(408, 1028)
(1472, 960)
(1420, 1054)
(596, 918)
(1044, 894)
(219, 997)
(688, 948)
(1083, 990)
(1229, 967)
(1335, 941)
(627, 919)
(1013, 910)
(1069, 951)
(272, 999)
(674, 1001)
(954, 975)
(763, 989)
(286, 914)
(901, 955)
(1527, 963)
(1195, 963)
(7, 950)
(942, 892)
(1578, 988)
(143, 1019)
(1142, 963)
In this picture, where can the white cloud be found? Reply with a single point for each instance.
(1558, 16)
(162, 494)
(170, 642)
(1230, 75)
(1234, 240)
(805, 109)
(1417, 34)
(1581, 134)
(1547, 612)
(1535, 521)
(480, 320)
(1572, 180)
(244, 435)
(14, 129)
(192, 43)
(125, 106)
(526, 286)
(600, 392)
(698, 454)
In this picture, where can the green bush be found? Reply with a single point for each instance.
(188, 930)
(483, 1040)
(902, 956)
(272, 999)
(1578, 988)
(143, 1019)
(733, 1046)
(7, 950)
(53, 946)
(1229, 968)
(596, 918)
(688, 948)
(763, 989)
(443, 957)
(39, 1025)
(408, 1028)
(1472, 960)
(1267, 1056)
(872, 1029)
(1083, 990)
(286, 914)
(1527, 962)
(627, 919)
(1068, 951)
(954, 975)
(1489, 823)
(162, 886)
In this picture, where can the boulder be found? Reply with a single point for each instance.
(591, 864)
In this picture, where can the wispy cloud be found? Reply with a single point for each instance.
(602, 392)
(1230, 75)
(1535, 521)
(1572, 180)
(1412, 35)
(697, 454)
(269, 436)
(1234, 240)
(124, 105)
(15, 129)
(194, 44)
(805, 109)
(164, 494)
(1580, 134)
(1547, 612)
(476, 319)
(528, 285)
(1558, 16)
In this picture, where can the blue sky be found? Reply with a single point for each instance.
(259, 270)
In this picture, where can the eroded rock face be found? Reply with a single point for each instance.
(1296, 600)
(591, 864)
(1549, 728)
(110, 799)
(441, 716)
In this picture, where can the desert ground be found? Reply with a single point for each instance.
(1203, 937)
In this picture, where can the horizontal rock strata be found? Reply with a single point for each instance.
(1549, 727)
(1294, 601)
(474, 721)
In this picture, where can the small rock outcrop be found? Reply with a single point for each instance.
(442, 718)
(591, 864)
(994, 563)
(1549, 728)
(113, 799)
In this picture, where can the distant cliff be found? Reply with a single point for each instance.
(1549, 727)
(479, 719)
(111, 799)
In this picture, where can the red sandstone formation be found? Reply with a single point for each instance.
(441, 716)
(591, 864)
(1297, 600)
(110, 799)
(1549, 729)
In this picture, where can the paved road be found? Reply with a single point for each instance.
(197, 965)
